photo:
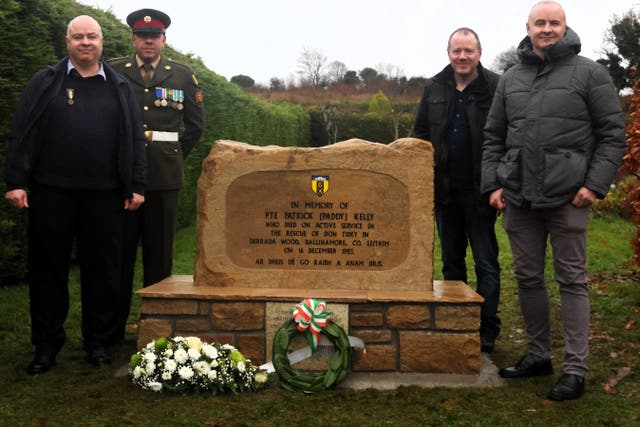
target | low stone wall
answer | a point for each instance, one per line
(409, 331)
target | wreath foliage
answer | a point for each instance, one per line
(294, 380)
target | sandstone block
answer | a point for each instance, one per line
(366, 319)
(377, 358)
(152, 329)
(201, 324)
(373, 336)
(238, 316)
(458, 317)
(407, 316)
(440, 352)
(252, 346)
(353, 215)
(169, 306)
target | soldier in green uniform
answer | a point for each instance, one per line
(169, 95)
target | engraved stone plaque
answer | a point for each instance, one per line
(295, 228)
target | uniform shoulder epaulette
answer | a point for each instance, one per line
(181, 64)
(118, 59)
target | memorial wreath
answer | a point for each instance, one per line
(311, 318)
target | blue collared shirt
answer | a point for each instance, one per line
(100, 72)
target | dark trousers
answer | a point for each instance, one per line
(154, 224)
(459, 222)
(57, 217)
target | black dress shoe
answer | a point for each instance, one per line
(41, 363)
(487, 343)
(568, 387)
(489, 331)
(98, 356)
(528, 366)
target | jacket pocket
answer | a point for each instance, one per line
(508, 171)
(564, 172)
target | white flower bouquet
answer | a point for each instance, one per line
(183, 364)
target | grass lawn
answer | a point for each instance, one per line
(77, 394)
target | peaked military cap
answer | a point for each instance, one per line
(148, 21)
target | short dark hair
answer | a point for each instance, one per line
(463, 30)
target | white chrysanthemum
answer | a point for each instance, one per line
(241, 366)
(137, 372)
(185, 372)
(149, 357)
(180, 355)
(178, 339)
(202, 367)
(168, 352)
(170, 365)
(214, 363)
(194, 342)
(261, 377)
(166, 375)
(228, 347)
(210, 351)
(155, 386)
(150, 368)
(212, 375)
(194, 354)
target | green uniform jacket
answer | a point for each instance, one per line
(165, 159)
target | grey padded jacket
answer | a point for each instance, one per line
(555, 125)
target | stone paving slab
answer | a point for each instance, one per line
(488, 377)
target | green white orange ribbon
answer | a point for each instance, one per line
(312, 317)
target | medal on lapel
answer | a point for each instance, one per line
(70, 96)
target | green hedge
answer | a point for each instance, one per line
(32, 36)
(353, 121)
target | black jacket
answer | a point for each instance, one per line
(24, 139)
(432, 124)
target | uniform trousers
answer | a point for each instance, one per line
(566, 229)
(154, 224)
(57, 217)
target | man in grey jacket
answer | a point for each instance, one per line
(554, 139)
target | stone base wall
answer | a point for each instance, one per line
(431, 332)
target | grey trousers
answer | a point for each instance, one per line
(566, 228)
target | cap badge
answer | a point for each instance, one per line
(147, 19)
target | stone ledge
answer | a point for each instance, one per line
(182, 287)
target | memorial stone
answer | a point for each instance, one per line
(354, 215)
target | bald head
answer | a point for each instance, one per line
(83, 21)
(547, 5)
(84, 44)
(546, 26)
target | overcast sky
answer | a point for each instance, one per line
(264, 38)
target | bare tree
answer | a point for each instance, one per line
(393, 72)
(505, 60)
(336, 71)
(312, 64)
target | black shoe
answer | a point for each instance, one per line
(568, 387)
(41, 363)
(528, 366)
(98, 356)
(489, 331)
(487, 343)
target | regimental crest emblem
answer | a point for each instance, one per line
(320, 184)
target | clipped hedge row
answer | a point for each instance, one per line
(33, 36)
